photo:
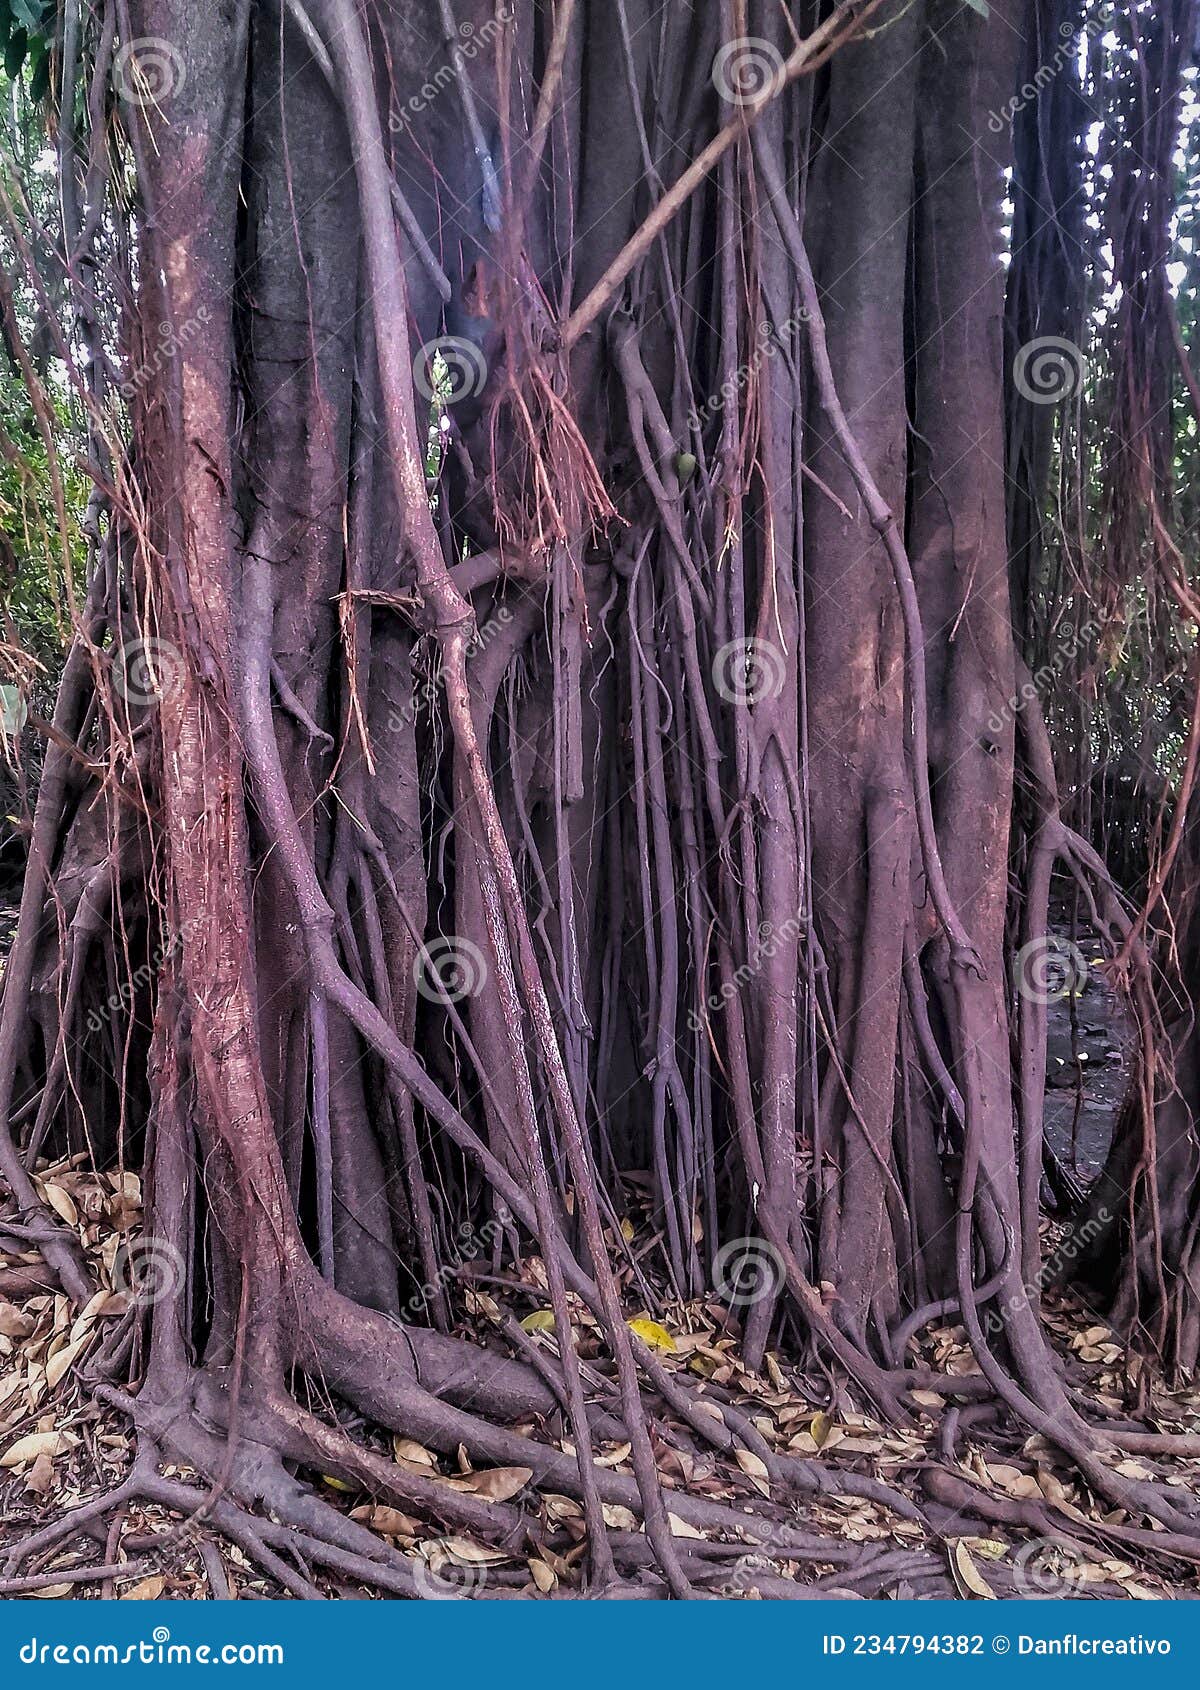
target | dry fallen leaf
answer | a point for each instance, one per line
(407, 1449)
(390, 1521)
(14, 1323)
(754, 1469)
(681, 1528)
(62, 1203)
(147, 1590)
(498, 1484)
(465, 1549)
(543, 1576)
(30, 1447)
(40, 1477)
(61, 1364)
(968, 1573)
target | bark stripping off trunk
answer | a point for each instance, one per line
(597, 781)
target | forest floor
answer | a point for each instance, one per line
(60, 1448)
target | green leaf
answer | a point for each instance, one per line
(39, 82)
(14, 53)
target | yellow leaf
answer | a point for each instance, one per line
(335, 1484)
(541, 1320)
(654, 1336)
(969, 1573)
(627, 1230)
(819, 1428)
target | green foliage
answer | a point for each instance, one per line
(33, 593)
(26, 37)
(31, 588)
